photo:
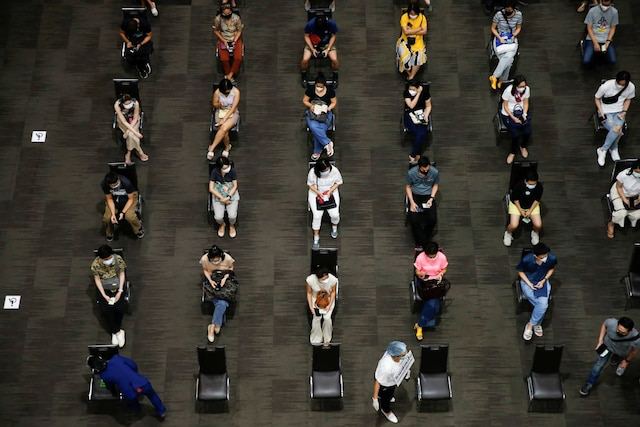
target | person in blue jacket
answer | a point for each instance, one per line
(123, 372)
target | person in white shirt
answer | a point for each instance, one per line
(384, 385)
(624, 198)
(321, 283)
(515, 115)
(613, 100)
(323, 182)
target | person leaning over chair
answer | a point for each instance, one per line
(323, 181)
(613, 99)
(534, 271)
(223, 185)
(625, 198)
(128, 120)
(417, 108)
(227, 28)
(601, 22)
(505, 28)
(225, 101)
(320, 102)
(430, 266)
(618, 342)
(121, 200)
(384, 384)
(516, 117)
(108, 270)
(422, 185)
(151, 5)
(411, 50)
(524, 204)
(322, 287)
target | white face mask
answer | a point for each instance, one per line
(413, 92)
(128, 105)
(522, 89)
(324, 281)
(109, 261)
(619, 87)
(604, 8)
(636, 174)
(531, 186)
(325, 173)
(543, 260)
(226, 169)
(413, 16)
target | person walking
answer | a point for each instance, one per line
(384, 385)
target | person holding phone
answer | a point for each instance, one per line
(320, 42)
(411, 50)
(323, 181)
(322, 288)
(601, 24)
(505, 28)
(625, 198)
(121, 200)
(618, 342)
(422, 185)
(430, 266)
(516, 117)
(417, 111)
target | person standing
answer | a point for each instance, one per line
(384, 384)
(422, 184)
(618, 342)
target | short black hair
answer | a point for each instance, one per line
(225, 85)
(540, 249)
(424, 161)
(626, 322)
(320, 78)
(623, 76)
(105, 251)
(111, 178)
(96, 363)
(321, 166)
(510, 3)
(531, 175)
(222, 161)
(413, 7)
(431, 248)
(215, 252)
(321, 271)
(413, 82)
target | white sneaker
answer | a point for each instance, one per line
(615, 154)
(507, 239)
(114, 339)
(528, 333)
(535, 238)
(120, 336)
(154, 10)
(390, 416)
(537, 329)
(602, 156)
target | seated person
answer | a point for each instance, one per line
(151, 5)
(613, 100)
(321, 298)
(323, 181)
(121, 203)
(506, 26)
(422, 185)
(225, 101)
(430, 265)
(582, 6)
(411, 51)
(108, 270)
(137, 35)
(534, 271)
(223, 185)
(227, 28)
(515, 116)
(128, 120)
(625, 198)
(601, 22)
(417, 108)
(525, 204)
(219, 285)
(320, 102)
(320, 39)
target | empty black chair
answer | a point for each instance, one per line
(325, 381)
(434, 382)
(212, 382)
(522, 303)
(325, 257)
(98, 389)
(544, 383)
(126, 289)
(632, 279)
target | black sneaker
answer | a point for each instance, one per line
(140, 234)
(109, 238)
(586, 389)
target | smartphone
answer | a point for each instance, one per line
(603, 351)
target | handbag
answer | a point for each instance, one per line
(322, 204)
(432, 289)
(227, 292)
(319, 112)
(417, 117)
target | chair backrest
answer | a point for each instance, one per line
(313, 163)
(329, 83)
(525, 252)
(117, 251)
(326, 358)
(318, 11)
(212, 360)
(634, 264)
(105, 351)
(325, 257)
(128, 171)
(546, 359)
(619, 166)
(126, 87)
(433, 359)
(519, 170)
(129, 13)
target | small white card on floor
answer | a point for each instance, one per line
(38, 136)
(12, 302)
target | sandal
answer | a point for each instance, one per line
(221, 230)
(143, 157)
(232, 231)
(315, 157)
(329, 149)
(582, 7)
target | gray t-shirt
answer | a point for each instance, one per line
(601, 21)
(618, 347)
(507, 25)
(420, 184)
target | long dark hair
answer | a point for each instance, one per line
(320, 166)
(516, 82)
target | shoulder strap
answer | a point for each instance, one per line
(506, 20)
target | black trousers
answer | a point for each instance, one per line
(113, 314)
(139, 58)
(384, 397)
(423, 223)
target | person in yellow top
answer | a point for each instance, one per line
(411, 50)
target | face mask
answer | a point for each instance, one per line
(325, 173)
(543, 260)
(413, 16)
(413, 92)
(531, 186)
(324, 281)
(522, 89)
(109, 261)
(636, 174)
(619, 87)
(128, 105)
(226, 169)
(215, 260)
(115, 187)
(604, 8)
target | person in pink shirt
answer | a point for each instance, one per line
(430, 265)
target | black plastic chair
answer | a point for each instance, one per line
(433, 382)
(126, 87)
(632, 279)
(500, 128)
(98, 389)
(325, 381)
(212, 382)
(128, 13)
(126, 289)
(544, 383)
(325, 257)
(129, 172)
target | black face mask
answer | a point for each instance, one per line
(227, 16)
(620, 335)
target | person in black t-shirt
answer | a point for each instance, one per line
(417, 108)
(121, 200)
(320, 101)
(525, 204)
(136, 34)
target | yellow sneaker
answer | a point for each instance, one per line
(418, 330)
(494, 82)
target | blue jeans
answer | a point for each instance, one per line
(219, 308)
(597, 369)
(588, 53)
(319, 131)
(430, 309)
(419, 133)
(611, 140)
(148, 391)
(539, 304)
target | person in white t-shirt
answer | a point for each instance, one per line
(624, 198)
(515, 115)
(384, 385)
(613, 100)
(323, 182)
(321, 284)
